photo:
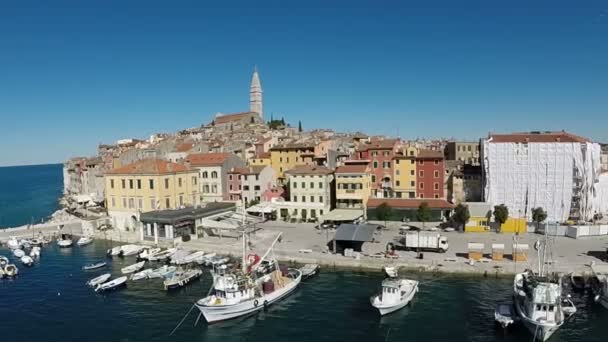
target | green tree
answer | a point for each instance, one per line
(384, 212)
(424, 213)
(461, 214)
(501, 213)
(299, 126)
(252, 203)
(538, 215)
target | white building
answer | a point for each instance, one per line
(213, 173)
(557, 171)
(311, 192)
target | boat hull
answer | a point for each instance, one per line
(541, 331)
(387, 309)
(214, 314)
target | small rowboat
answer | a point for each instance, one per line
(111, 285)
(94, 266)
(181, 278)
(85, 240)
(99, 280)
(133, 268)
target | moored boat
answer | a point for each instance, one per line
(65, 243)
(85, 240)
(128, 250)
(390, 271)
(162, 255)
(27, 260)
(147, 252)
(309, 270)
(164, 271)
(133, 268)
(99, 280)
(3, 261)
(13, 243)
(115, 251)
(35, 252)
(10, 270)
(112, 285)
(181, 278)
(396, 293)
(145, 274)
(94, 266)
(18, 253)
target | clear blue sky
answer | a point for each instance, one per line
(78, 73)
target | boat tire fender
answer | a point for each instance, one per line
(265, 303)
(255, 303)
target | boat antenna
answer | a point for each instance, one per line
(244, 261)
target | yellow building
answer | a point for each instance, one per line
(286, 157)
(405, 173)
(147, 185)
(262, 159)
(353, 186)
(514, 225)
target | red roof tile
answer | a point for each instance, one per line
(353, 168)
(185, 147)
(150, 166)
(401, 203)
(429, 154)
(263, 155)
(309, 170)
(385, 144)
(537, 137)
(207, 159)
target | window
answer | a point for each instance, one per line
(436, 186)
(281, 169)
(193, 180)
(139, 183)
(436, 161)
(123, 183)
(421, 196)
(386, 164)
(412, 161)
(385, 153)
(312, 185)
(295, 198)
(436, 196)
(303, 185)
(321, 212)
(421, 173)
(257, 177)
(412, 173)
(151, 183)
(375, 164)
(397, 183)
(295, 185)
(246, 187)
(152, 203)
(230, 187)
(421, 162)
(256, 187)
(412, 194)
(113, 201)
(140, 203)
(181, 200)
(179, 182)
(205, 174)
(280, 159)
(397, 172)
(320, 185)
(167, 203)
(124, 202)
(373, 178)
(214, 189)
(321, 199)
(412, 183)
(436, 174)
(166, 183)
(214, 174)
(287, 160)
(112, 184)
(303, 198)
(230, 177)
(421, 185)
(206, 188)
(312, 199)
(469, 148)
(131, 203)
(374, 153)
(130, 184)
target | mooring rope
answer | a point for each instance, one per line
(183, 319)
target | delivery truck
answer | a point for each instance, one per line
(425, 241)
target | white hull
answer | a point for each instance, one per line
(65, 243)
(133, 268)
(84, 241)
(226, 312)
(386, 309)
(542, 331)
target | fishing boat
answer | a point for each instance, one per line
(85, 240)
(395, 294)
(179, 257)
(145, 274)
(309, 270)
(128, 250)
(18, 253)
(242, 292)
(162, 255)
(35, 252)
(164, 271)
(390, 271)
(27, 260)
(115, 251)
(112, 285)
(99, 280)
(133, 268)
(147, 252)
(10, 270)
(181, 278)
(94, 266)
(599, 284)
(13, 243)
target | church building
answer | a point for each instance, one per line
(255, 114)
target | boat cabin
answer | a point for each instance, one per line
(545, 302)
(391, 290)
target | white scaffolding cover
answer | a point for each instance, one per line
(547, 175)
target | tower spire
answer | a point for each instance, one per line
(255, 93)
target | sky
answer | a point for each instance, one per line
(74, 74)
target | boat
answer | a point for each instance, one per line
(145, 274)
(85, 240)
(18, 253)
(599, 284)
(3, 261)
(178, 258)
(236, 293)
(206, 259)
(181, 278)
(128, 250)
(162, 255)
(25, 244)
(94, 266)
(35, 252)
(505, 314)
(147, 252)
(133, 268)
(112, 252)
(13, 243)
(112, 285)
(27, 260)
(64, 242)
(309, 270)
(36, 242)
(390, 271)
(396, 293)
(218, 260)
(10, 270)
(194, 257)
(164, 271)
(99, 280)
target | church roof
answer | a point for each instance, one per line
(228, 118)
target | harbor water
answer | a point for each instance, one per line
(50, 302)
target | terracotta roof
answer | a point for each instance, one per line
(185, 147)
(356, 168)
(293, 146)
(251, 170)
(401, 203)
(309, 170)
(537, 137)
(150, 166)
(385, 144)
(227, 118)
(207, 159)
(263, 155)
(429, 154)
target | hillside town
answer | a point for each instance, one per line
(278, 171)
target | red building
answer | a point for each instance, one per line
(235, 183)
(379, 155)
(429, 174)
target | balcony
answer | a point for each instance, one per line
(386, 184)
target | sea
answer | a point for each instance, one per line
(50, 302)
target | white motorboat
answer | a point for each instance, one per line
(164, 271)
(147, 252)
(18, 253)
(13, 243)
(178, 258)
(206, 259)
(390, 271)
(3, 261)
(25, 244)
(99, 280)
(235, 294)
(27, 260)
(35, 252)
(64, 243)
(85, 240)
(181, 278)
(94, 266)
(36, 242)
(112, 252)
(396, 293)
(218, 260)
(309, 270)
(162, 255)
(112, 285)
(128, 250)
(145, 274)
(504, 314)
(133, 268)
(10, 270)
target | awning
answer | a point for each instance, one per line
(355, 232)
(343, 215)
(261, 208)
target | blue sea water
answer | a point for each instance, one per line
(29, 193)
